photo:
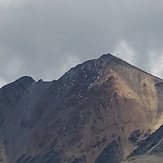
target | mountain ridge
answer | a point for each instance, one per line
(96, 110)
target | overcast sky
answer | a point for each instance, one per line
(44, 38)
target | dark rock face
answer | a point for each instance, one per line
(51, 156)
(2, 118)
(96, 112)
(16, 89)
(79, 160)
(109, 154)
(153, 144)
(135, 135)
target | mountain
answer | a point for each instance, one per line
(97, 112)
(149, 149)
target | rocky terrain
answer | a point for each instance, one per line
(100, 111)
(149, 149)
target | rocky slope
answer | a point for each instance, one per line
(149, 149)
(97, 112)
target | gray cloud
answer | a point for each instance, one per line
(43, 39)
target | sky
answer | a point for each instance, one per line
(44, 38)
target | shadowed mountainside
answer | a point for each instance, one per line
(97, 112)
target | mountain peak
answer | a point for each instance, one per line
(22, 80)
(25, 79)
(16, 89)
(109, 58)
(107, 55)
(96, 112)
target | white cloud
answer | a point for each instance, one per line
(156, 62)
(48, 36)
(2, 82)
(123, 51)
(13, 66)
(5, 4)
(70, 61)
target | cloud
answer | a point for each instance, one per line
(6, 4)
(122, 50)
(156, 62)
(44, 38)
(2, 83)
